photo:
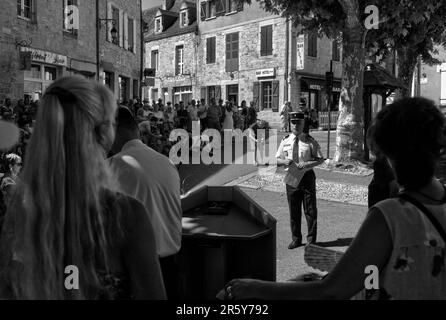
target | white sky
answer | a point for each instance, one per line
(150, 3)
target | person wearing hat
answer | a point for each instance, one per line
(299, 153)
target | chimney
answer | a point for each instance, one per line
(168, 4)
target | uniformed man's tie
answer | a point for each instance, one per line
(296, 150)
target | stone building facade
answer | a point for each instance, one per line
(172, 52)
(38, 45)
(241, 52)
(121, 60)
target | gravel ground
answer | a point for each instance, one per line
(269, 180)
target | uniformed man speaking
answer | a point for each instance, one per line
(299, 153)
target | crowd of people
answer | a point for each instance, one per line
(92, 195)
(157, 120)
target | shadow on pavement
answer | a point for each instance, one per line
(193, 176)
(340, 242)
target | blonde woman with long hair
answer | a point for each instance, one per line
(66, 212)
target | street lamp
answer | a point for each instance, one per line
(113, 31)
(114, 35)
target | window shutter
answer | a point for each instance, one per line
(213, 49)
(203, 11)
(269, 40)
(121, 28)
(256, 94)
(217, 93)
(276, 91)
(177, 60)
(208, 50)
(153, 60)
(220, 7)
(312, 44)
(263, 41)
(204, 93)
(135, 33)
(239, 6)
(109, 23)
(126, 31)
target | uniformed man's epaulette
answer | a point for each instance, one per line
(286, 137)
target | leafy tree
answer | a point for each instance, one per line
(411, 27)
(330, 18)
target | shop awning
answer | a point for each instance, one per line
(378, 77)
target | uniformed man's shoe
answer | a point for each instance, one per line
(295, 244)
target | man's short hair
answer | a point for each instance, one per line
(125, 119)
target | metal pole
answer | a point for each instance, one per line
(329, 93)
(97, 39)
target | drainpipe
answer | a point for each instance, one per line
(97, 39)
(287, 57)
(142, 50)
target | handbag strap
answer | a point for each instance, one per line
(426, 212)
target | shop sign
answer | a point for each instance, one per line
(270, 72)
(46, 57)
(300, 63)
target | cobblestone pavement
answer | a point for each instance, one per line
(271, 179)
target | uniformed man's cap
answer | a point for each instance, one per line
(295, 116)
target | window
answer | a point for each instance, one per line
(182, 94)
(211, 93)
(179, 63)
(35, 72)
(135, 89)
(211, 9)
(154, 59)
(210, 50)
(220, 7)
(232, 52)
(25, 9)
(267, 94)
(232, 93)
(266, 40)
(131, 36)
(115, 17)
(336, 51)
(50, 74)
(158, 25)
(230, 6)
(123, 88)
(70, 25)
(183, 19)
(155, 94)
(109, 80)
(312, 44)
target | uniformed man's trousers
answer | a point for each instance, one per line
(304, 194)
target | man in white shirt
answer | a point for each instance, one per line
(300, 153)
(152, 179)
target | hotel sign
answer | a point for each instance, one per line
(270, 72)
(46, 57)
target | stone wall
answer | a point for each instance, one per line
(165, 76)
(125, 62)
(46, 33)
(250, 59)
